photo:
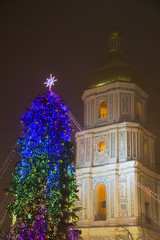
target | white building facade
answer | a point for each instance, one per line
(115, 158)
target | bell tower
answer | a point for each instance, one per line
(115, 159)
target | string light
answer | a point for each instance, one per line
(152, 194)
(3, 210)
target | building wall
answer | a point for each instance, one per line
(129, 186)
(115, 163)
(125, 141)
(121, 99)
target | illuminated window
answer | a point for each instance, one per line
(100, 202)
(138, 111)
(101, 146)
(103, 109)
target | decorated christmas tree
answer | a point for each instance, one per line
(43, 187)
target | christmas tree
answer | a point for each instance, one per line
(43, 185)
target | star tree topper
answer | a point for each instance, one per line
(50, 82)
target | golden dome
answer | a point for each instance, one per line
(113, 72)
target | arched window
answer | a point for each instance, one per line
(103, 109)
(139, 111)
(100, 202)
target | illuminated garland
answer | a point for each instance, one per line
(152, 194)
(7, 161)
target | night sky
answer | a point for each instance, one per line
(69, 39)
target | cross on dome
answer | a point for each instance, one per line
(50, 82)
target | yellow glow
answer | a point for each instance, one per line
(100, 84)
(102, 199)
(13, 219)
(100, 202)
(124, 79)
(103, 109)
(101, 146)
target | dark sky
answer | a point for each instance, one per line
(69, 39)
